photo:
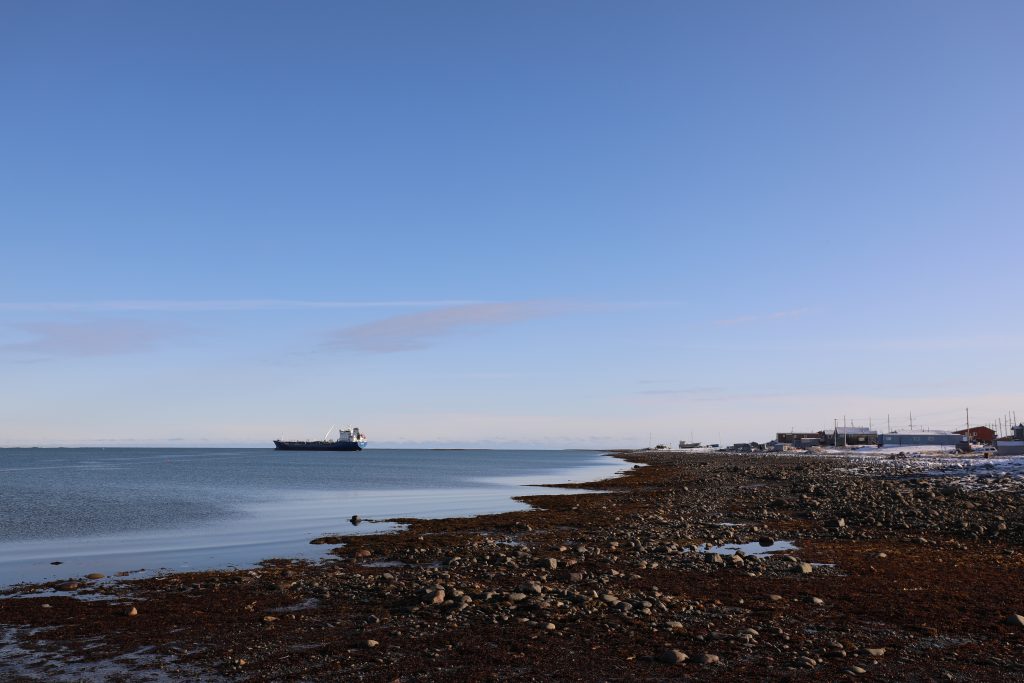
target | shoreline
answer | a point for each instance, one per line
(583, 587)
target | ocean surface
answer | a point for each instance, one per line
(151, 510)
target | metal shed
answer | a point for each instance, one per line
(921, 438)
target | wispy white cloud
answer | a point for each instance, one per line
(764, 317)
(92, 338)
(418, 330)
(184, 306)
(694, 391)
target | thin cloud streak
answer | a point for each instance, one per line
(416, 331)
(83, 339)
(173, 306)
(696, 391)
(778, 315)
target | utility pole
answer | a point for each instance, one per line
(911, 421)
(835, 431)
(845, 442)
(888, 427)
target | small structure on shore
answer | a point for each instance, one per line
(978, 434)
(922, 437)
(801, 439)
(853, 436)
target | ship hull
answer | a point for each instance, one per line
(1014, 447)
(318, 445)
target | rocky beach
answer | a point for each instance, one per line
(690, 565)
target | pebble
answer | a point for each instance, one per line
(672, 657)
(95, 575)
(133, 612)
(708, 659)
(804, 568)
(856, 670)
(1015, 620)
(372, 643)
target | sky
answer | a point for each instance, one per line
(507, 224)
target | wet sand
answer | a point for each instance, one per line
(891, 575)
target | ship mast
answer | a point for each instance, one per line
(328, 434)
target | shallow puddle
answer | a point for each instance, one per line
(754, 548)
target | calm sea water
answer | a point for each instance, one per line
(153, 509)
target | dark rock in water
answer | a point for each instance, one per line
(57, 562)
(355, 520)
(766, 541)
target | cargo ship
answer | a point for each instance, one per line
(349, 439)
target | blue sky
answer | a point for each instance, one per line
(522, 224)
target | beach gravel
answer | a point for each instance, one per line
(677, 555)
